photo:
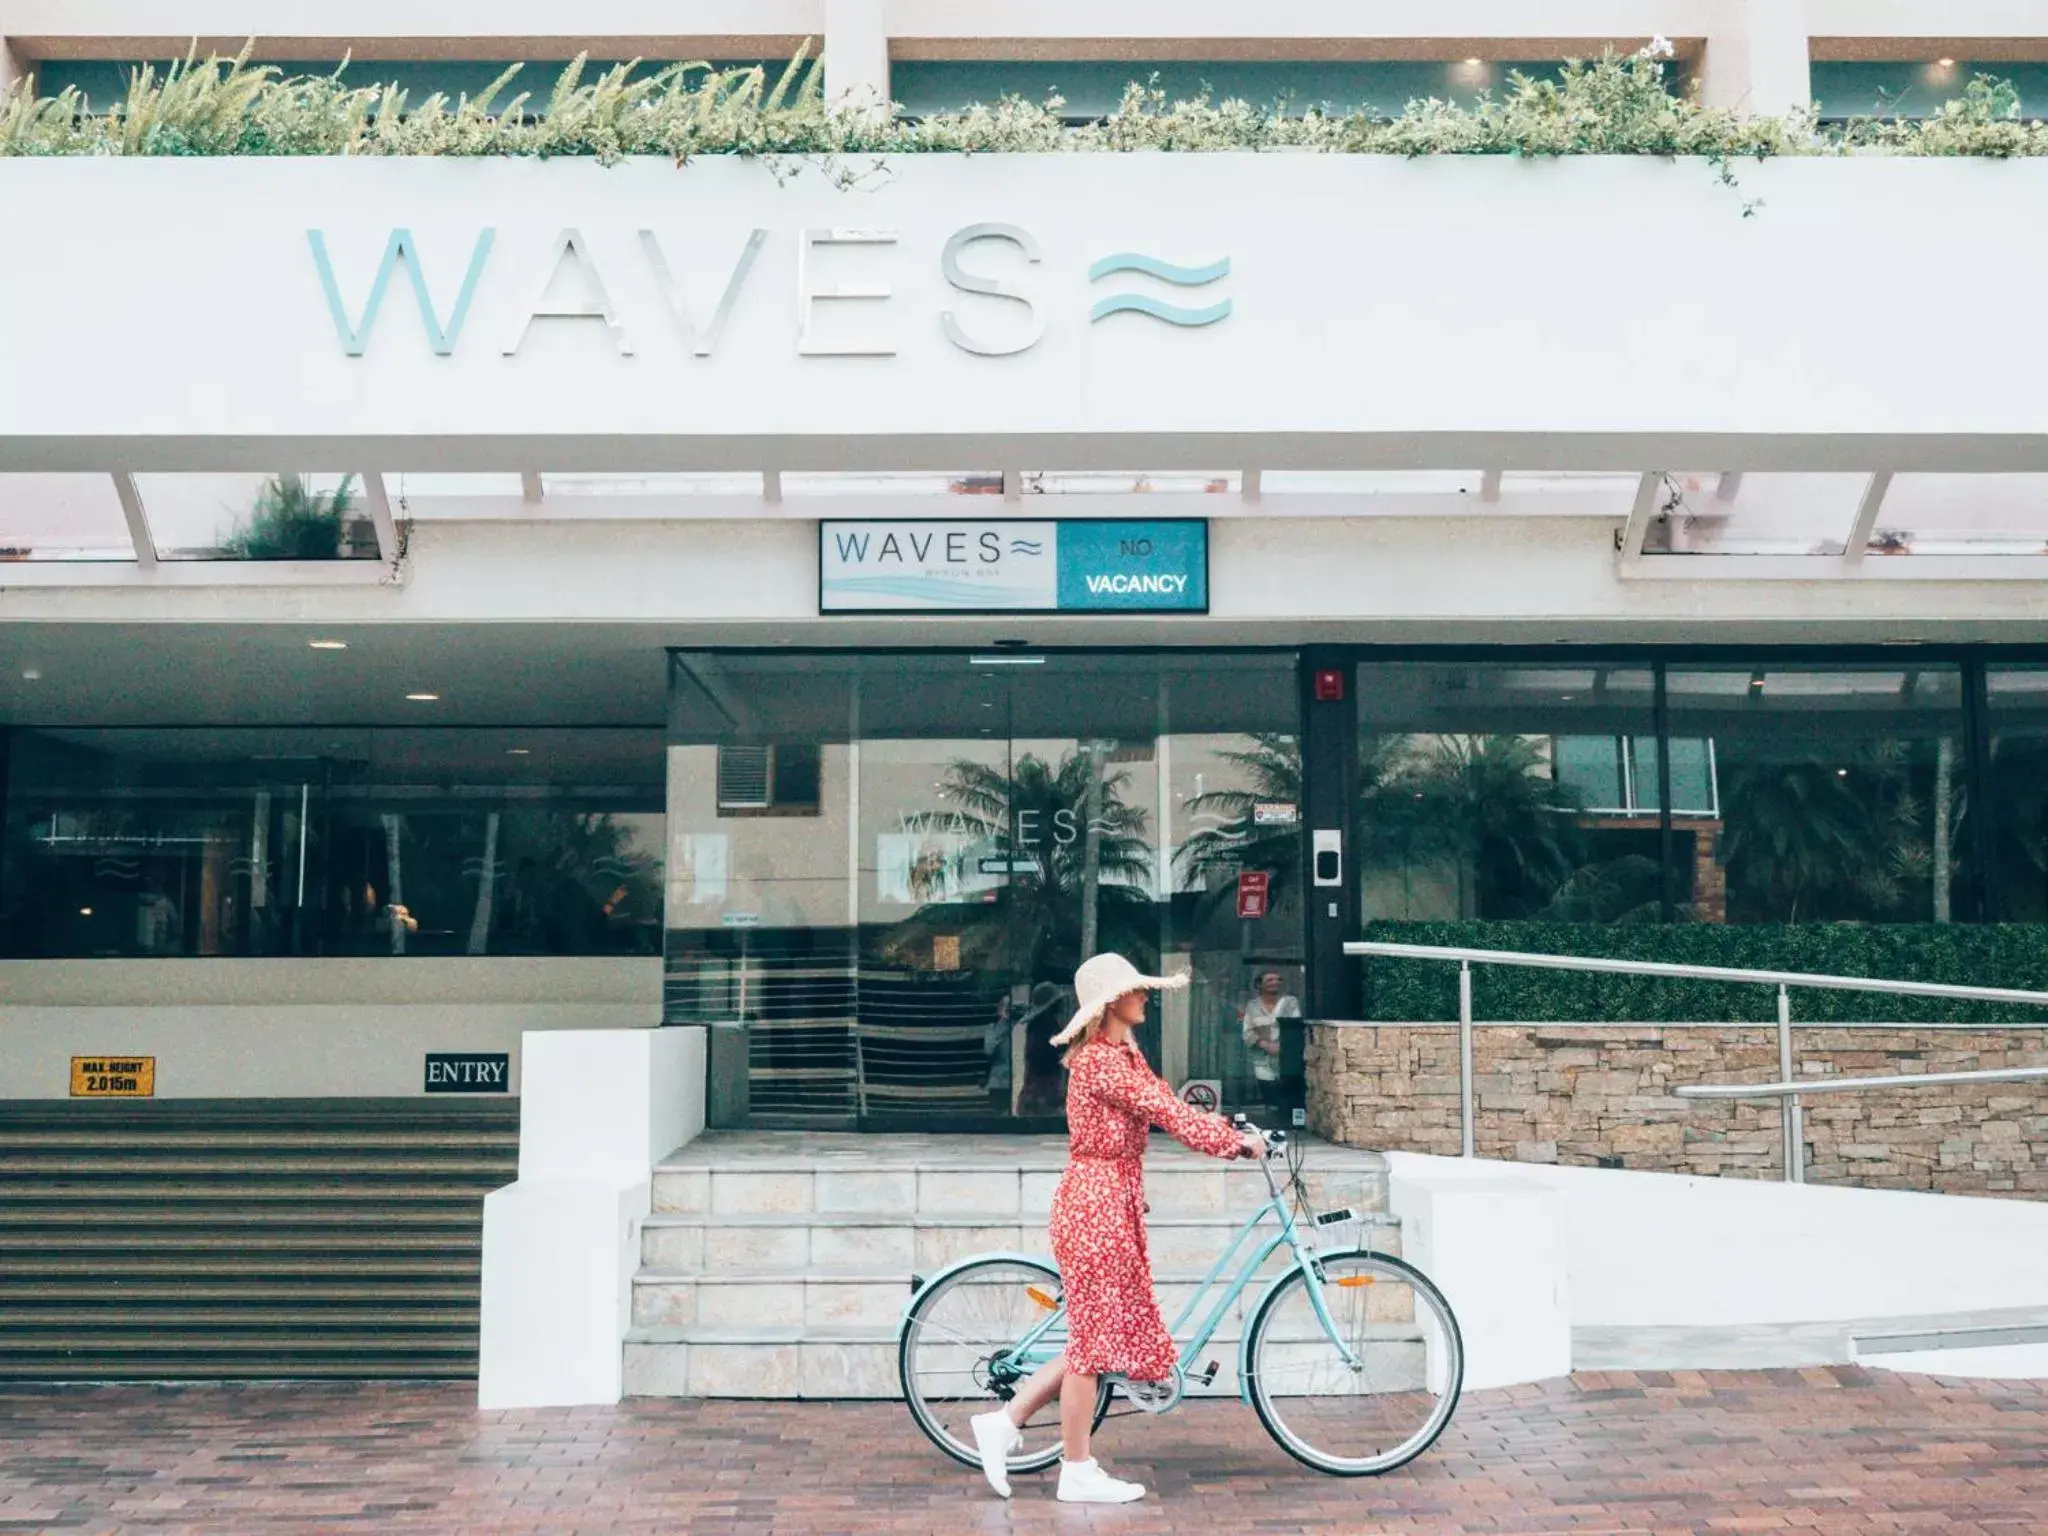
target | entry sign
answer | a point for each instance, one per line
(113, 1077)
(1253, 888)
(479, 1072)
(1014, 565)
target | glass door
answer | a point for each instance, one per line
(980, 824)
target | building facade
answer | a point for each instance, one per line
(817, 599)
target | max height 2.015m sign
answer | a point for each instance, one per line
(1001, 565)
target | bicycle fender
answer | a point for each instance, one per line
(959, 1264)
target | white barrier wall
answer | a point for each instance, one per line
(1514, 1318)
(1657, 1250)
(561, 1245)
(315, 1028)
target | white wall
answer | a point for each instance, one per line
(562, 1244)
(1670, 1250)
(300, 1028)
(1745, 334)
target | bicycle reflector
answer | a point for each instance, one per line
(1044, 1298)
(1352, 1282)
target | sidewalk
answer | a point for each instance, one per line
(1835, 1449)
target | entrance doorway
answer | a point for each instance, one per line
(884, 868)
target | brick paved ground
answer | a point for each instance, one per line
(1826, 1450)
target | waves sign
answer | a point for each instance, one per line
(1003, 565)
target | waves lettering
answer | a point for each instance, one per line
(956, 546)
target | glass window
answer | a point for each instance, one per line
(903, 953)
(2017, 794)
(1831, 794)
(319, 842)
(1502, 791)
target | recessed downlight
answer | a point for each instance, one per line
(423, 698)
(328, 645)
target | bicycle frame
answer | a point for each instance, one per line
(1033, 1350)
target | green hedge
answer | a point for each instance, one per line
(2005, 955)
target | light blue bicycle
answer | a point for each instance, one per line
(1351, 1359)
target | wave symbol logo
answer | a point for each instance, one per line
(1026, 547)
(1166, 272)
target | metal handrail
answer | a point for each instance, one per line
(1857, 1084)
(1700, 972)
(1789, 1089)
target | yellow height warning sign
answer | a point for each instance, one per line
(113, 1077)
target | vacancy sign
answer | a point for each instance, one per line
(1254, 888)
(1004, 565)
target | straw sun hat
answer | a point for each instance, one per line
(1101, 981)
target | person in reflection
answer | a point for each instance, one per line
(1259, 1021)
(999, 1042)
(1098, 1230)
(1044, 1083)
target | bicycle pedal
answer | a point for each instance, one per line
(1209, 1376)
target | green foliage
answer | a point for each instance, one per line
(290, 522)
(2006, 955)
(1614, 105)
(1234, 840)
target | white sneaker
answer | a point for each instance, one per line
(1084, 1482)
(995, 1437)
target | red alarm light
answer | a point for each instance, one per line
(1329, 685)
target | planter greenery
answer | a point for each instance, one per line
(1616, 105)
(290, 522)
(1411, 991)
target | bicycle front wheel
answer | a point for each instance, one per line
(958, 1355)
(1385, 1404)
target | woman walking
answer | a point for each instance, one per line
(1098, 1228)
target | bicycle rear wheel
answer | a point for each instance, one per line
(955, 1355)
(1385, 1406)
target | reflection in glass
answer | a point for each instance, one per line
(1506, 792)
(903, 953)
(2018, 792)
(1840, 792)
(308, 841)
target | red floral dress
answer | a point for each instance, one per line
(1098, 1212)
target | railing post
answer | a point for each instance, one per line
(1465, 1058)
(1794, 1121)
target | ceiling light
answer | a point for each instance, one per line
(328, 645)
(1474, 63)
(519, 751)
(1945, 63)
(1841, 773)
(31, 674)
(85, 911)
(423, 698)
(1006, 661)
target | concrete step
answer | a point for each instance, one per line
(1760, 1346)
(802, 1173)
(778, 1244)
(845, 1362)
(821, 1301)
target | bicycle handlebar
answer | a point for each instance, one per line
(1276, 1141)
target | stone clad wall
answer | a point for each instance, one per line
(1600, 1095)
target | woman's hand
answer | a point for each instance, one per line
(1252, 1145)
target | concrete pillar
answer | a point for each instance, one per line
(856, 53)
(1757, 57)
(10, 67)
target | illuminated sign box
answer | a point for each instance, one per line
(1013, 565)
